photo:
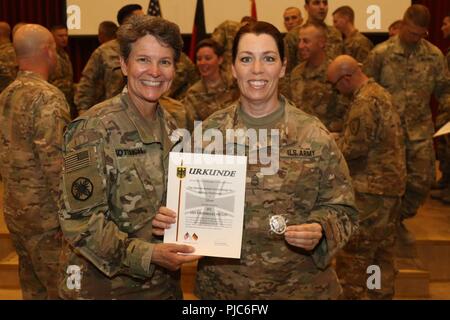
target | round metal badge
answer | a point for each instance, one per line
(278, 224)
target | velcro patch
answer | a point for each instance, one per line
(77, 161)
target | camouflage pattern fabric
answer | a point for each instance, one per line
(182, 114)
(33, 114)
(204, 101)
(113, 183)
(311, 92)
(411, 78)
(312, 186)
(102, 77)
(335, 46)
(372, 244)
(373, 145)
(8, 65)
(62, 77)
(358, 46)
(224, 35)
(186, 75)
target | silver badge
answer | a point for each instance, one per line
(278, 224)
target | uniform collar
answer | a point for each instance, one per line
(286, 126)
(400, 49)
(147, 134)
(30, 75)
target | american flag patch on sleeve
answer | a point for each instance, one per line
(77, 161)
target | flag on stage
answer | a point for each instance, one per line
(254, 12)
(154, 9)
(199, 29)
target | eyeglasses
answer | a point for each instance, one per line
(334, 84)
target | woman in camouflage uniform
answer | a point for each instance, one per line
(216, 89)
(297, 217)
(114, 178)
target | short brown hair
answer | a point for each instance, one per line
(346, 11)
(259, 27)
(321, 26)
(210, 43)
(419, 15)
(166, 32)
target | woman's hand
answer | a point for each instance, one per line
(163, 220)
(306, 236)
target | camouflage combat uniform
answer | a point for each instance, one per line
(186, 74)
(62, 77)
(114, 181)
(203, 101)
(33, 115)
(311, 92)
(373, 145)
(102, 77)
(182, 115)
(312, 186)
(224, 35)
(411, 80)
(8, 65)
(291, 41)
(358, 46)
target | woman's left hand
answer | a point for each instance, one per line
(306, 236)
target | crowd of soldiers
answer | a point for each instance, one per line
(374, 101)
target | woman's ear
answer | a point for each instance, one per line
(123, 66)
(283, 68)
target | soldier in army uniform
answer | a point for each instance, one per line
(355, 43)
(102, 78)
(8, 63)
(62, 77)
(308, 86)
(372, 143)
(310, 196)
(114, 178)
(216, 89)
(107, 31)
(292, 18)
(412, 69)
(33, 115)
(442, 187)
(317, 12)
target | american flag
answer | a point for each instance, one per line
(154, 9)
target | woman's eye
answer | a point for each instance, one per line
(270, 59)
(143, 60)
(246, 59)
(166, 62)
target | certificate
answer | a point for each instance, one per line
(207, 192)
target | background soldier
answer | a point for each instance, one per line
(33, 114)
(101, 78)
(355, 43)
(8, 63)
(317, 12)
(107, 31)
(309, 88)
(62, 76)
(372, 143)
(412, 69)
(292, 18)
